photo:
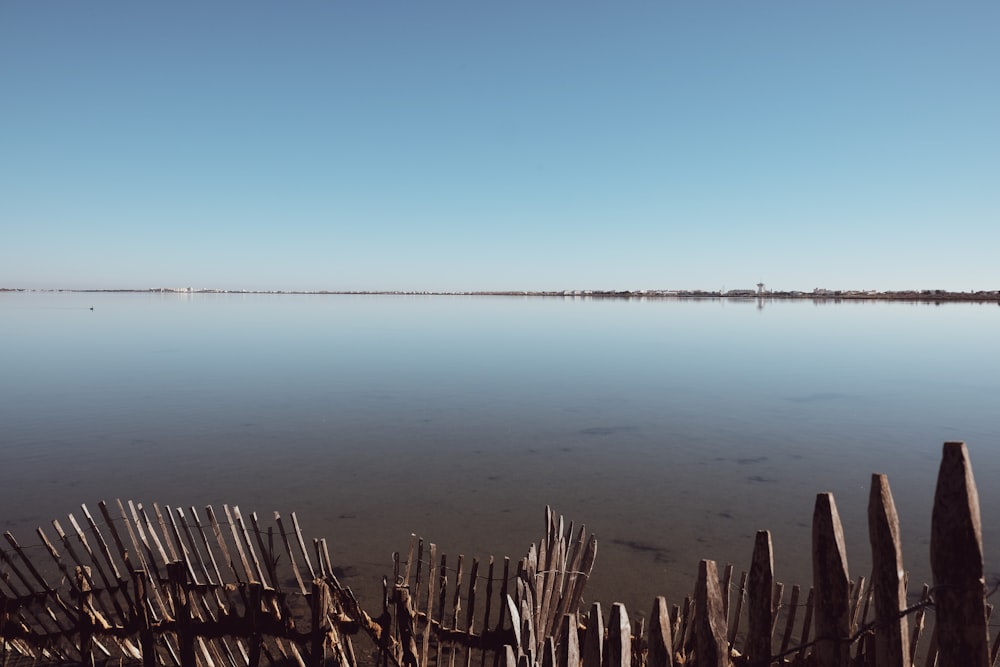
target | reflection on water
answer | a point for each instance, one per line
(673, 429)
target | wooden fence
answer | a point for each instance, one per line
(164, 587)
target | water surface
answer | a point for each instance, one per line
(673, 429)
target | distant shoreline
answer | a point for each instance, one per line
(923, 296)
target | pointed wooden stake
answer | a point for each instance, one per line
(832, 585)
(957, 563)
(659, 639)
(760, 586)
(891, 637)
(711, 644)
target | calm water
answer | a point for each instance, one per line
(673, 429)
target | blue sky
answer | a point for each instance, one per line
(426, 145)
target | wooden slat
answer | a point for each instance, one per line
(144, 527)
(568, 654)
(175, 554)
(144, 555)
(456, 603)
(760, 612)
(659, 638)
(488, 607)
(267, 554)
(593, 640)
(857, 602)
(456, 607)
(918, 624)
(442, 602)
(582, 575)
(619, 646)
(738, 614)
(416, 588)
(244, 534)
(206, 545)
(182, 613)
(687, 626)
(711, 643)
(957, 563)
(291, 556)
(550, 565)
(504, 592)
(572, 564)
(173, 536)
(136, 561)
(793, 606)
(831, 582)
(302, 546)
(141, 613)
(891, 648)
(727, 589)
(210, 595)
(220, 539)
(86, 624)
(425, 642)
(251, 576)
(409, 561)
(806, 625)
(470, 613)
(779, 591)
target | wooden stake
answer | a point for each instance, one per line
(891, 632)
(957, 564)
(761, 608)
(710, 625)
(832, 604)
(659, 637)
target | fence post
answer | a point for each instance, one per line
(957, 563)
(177, 572)
(320, 599)
(661, 646)
(593, 641)
(760, 588)
(892, 631)
(253, 613)
(711, 644)
(86, 628)
(405, 626)
(569, 649)
(141, 614)
(619, 646)
(832, 585)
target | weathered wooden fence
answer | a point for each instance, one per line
(166, 588)
(842, 622)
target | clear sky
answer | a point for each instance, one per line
(426, 145)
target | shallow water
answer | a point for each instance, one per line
(673, 429)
